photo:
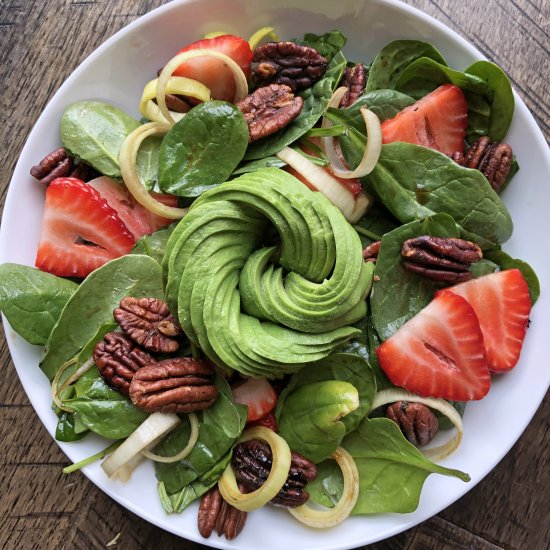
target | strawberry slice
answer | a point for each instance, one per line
(80, 231)
(136, 217)
(502, 304)
(437, 121)
(258, 395)
(439, 352)
(213, 73)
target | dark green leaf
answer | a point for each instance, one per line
(147, 162)
(154, 244)
(252, 166)
(65, 429)
(327, 488)
(328, 44)
(443, 422)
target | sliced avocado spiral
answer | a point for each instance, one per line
(266, 310)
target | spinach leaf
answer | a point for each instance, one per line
(327, 488)
(383, 103)
(202, 149)
(147, 161)
(103, 410)
(260, 164)
(443, 422)
(414, 182)
(375, 223)
(32, 300)
(65, 429)
(505, 261)
(328, 44)
(311, 419)
(394, 58)
(154, 245)
(398, 294)
(500, 95)
(315, 98)
(219, 427)
(392, 471)
(93, 302)
(94, 131)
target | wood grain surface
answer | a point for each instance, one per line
(40, 44)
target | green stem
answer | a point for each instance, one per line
(333, 131)
(366, 233)
(91, 459)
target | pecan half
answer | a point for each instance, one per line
(417, 422)
(492, 159)
(252, 461)
(370, 252)
(287, 63)
(176, 385)
(59, 164)
(269, 109)
(118, 358)
(441, 259)
(217, 513)
(354, 79)
(148, 322)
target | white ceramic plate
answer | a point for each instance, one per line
(117, 71)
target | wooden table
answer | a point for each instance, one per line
(40, 44)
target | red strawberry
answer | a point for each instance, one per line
(437, 121)
(439, 352)
(80, 231)
(212, 72)
(502, 304)
(136, 217)
(268, 421)
(258, 394)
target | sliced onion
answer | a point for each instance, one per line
(333, 516)
(321, 180)
(372, 148)
(277, 477)
(262, 34)
(175, 85)
(241, 84)
(213, 34)
(147, 434)
(193, 436)
(55, 385)
(392, 395)
(363, 202)
(127, 161)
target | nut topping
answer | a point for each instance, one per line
(354, 79)
(440, 259)
(492, 159)
(148, 322)
(252, 461)
(370, 252)
(118, 358)
(59, 164)
(417, 422)
(217, 513)
(288, 63)
(269, 109)
(176, 385)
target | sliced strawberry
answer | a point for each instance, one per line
(213, 73)
(502, 304)
(136, 217)
(258, 394)
(437, 121)
(268, 421)
(439, 352)
(80, 231)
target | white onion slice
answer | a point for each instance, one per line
(127, 161)
(322, 181)
(261, 34)
(241, 84)
(333, 516)
(147, 434)
(392, 395)
(372, 148)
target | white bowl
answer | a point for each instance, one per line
(117, 71)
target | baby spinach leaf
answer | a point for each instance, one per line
(398, 294)
(260, 164)
(93, 302)
(392, 471)
(147, 161)
(103, 410)
(328, 44)
(414, 182)
(327, 488)
(94, 132)
(376, 222)
(479, 113)
(219, 427)
(65, 429)
(500, 95)
(443, 422)
(310, 421)
(394, 58)
(315, 98)
(202, 149)
(32, 300)
(154, 245)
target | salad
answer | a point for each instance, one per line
(282, 281)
